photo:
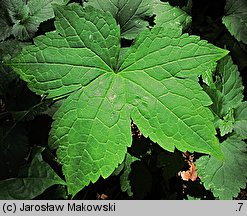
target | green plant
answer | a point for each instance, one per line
(23, 19)
(153, 82)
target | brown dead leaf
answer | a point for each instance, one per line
(190, 174)
(102, 196)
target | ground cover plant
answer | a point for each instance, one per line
(123, 99)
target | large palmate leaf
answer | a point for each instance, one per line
(225, 178)
(235, 19)
(38, 178)
(155, 84)
(130, 14)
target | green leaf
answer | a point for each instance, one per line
(227, 95)
(5, 29)
(235, 19)
(16, 9)
(42, 10)
(26, 18)
(227, 124)
(40, 176)
(240, 125)
(124, 178)
(130, 14)
(155, 84)
(103, 117)
(169, 16)
(225, 178)
(5, 24)
(64, 73)
(216, 97)
(93, 127)
(25, 30)
(24, 27)
(237, 49)
(231, 85)
(118, 170)
(165, 84)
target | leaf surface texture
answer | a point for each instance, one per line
(154, 83)
(130, 14)
(225, 178)
(235, 19)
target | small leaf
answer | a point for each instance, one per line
(40, 176)
(237, 49)
(42, 10)
(235, 19)
(18, 13)
(16, 9)
(119, 169)
(227, 95)
(25, 30)
(26, 18)
(124, 178)
(130, 14)
(240, 125)
(231, 85)
(5, 25)
(225, 178)
(227, 124)
(171, 17)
